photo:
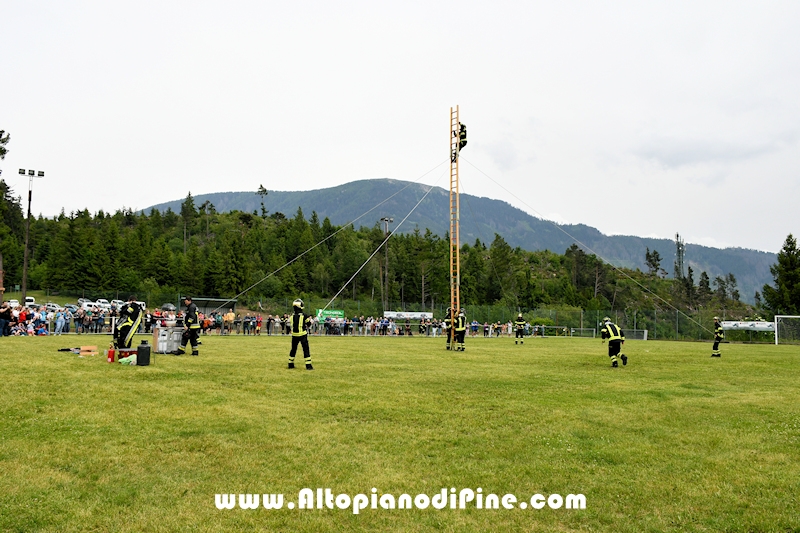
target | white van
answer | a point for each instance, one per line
(30, 301)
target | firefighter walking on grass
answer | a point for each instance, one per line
(616, 338)
(519, 327)
(719, 334)
(191, 328)
(299, 326)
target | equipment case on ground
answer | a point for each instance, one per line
(166, 340)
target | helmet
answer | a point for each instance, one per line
(519, 315)
(463, 311)
(716, 318)
(298, 304)
(606, 319)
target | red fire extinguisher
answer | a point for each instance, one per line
(111, 353)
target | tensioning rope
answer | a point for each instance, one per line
(382, 243)
(491, 261)
(589, 249)
(344, 226)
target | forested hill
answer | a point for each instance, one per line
(481, 218)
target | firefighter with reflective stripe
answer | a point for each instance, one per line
(130, 317)
(447, 326)
(616, 338)
(719, 334)
(191, 328)
(460, 326)
(299, 325)
(519, 328)
(461, 135)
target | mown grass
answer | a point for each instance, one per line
(675, 441)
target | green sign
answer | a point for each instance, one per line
(330, 313)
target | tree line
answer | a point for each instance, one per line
(200, 251)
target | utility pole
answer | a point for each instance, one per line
(2, 288)
(386, 221)
(423, 283)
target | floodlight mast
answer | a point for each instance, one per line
(31, 174)
(455, 247)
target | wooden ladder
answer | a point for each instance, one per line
(455, 241)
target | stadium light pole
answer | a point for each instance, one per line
(31, 174)
(386, 221)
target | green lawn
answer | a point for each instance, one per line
(675, 441)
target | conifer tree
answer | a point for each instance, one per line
(784, 297)
(704, 289)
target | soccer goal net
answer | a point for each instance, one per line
(583, 332)
(787, 329)
(636, 334)
(554, 331)
(562, 331)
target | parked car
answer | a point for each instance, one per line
(102, 303)
(89, 305)
(13, 303)
(117, 304)
(168, 307)
(30, 301)
(50, 306)
(71, 308)
(82, 301)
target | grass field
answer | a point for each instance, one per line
(675, 441)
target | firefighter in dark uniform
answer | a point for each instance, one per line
(461, 135)
(130, 316)
(719, 334)
(299, 323)
(447, 326)
(191, 328)
(460, 326)
(519, 327)
(616, 338)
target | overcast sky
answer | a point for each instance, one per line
(638, 118)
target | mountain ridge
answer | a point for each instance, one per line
(481, 218)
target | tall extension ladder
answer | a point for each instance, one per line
(455, 241)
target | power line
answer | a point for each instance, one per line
(352, 222)
(491, 261)
(589, 249)
(379, 247)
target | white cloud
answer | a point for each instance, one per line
(687, 112)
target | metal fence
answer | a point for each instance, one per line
(668, 324)
(662, 324)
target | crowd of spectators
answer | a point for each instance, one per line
(21, 320)
(382, 326)
(38, 320)
(361, 326)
